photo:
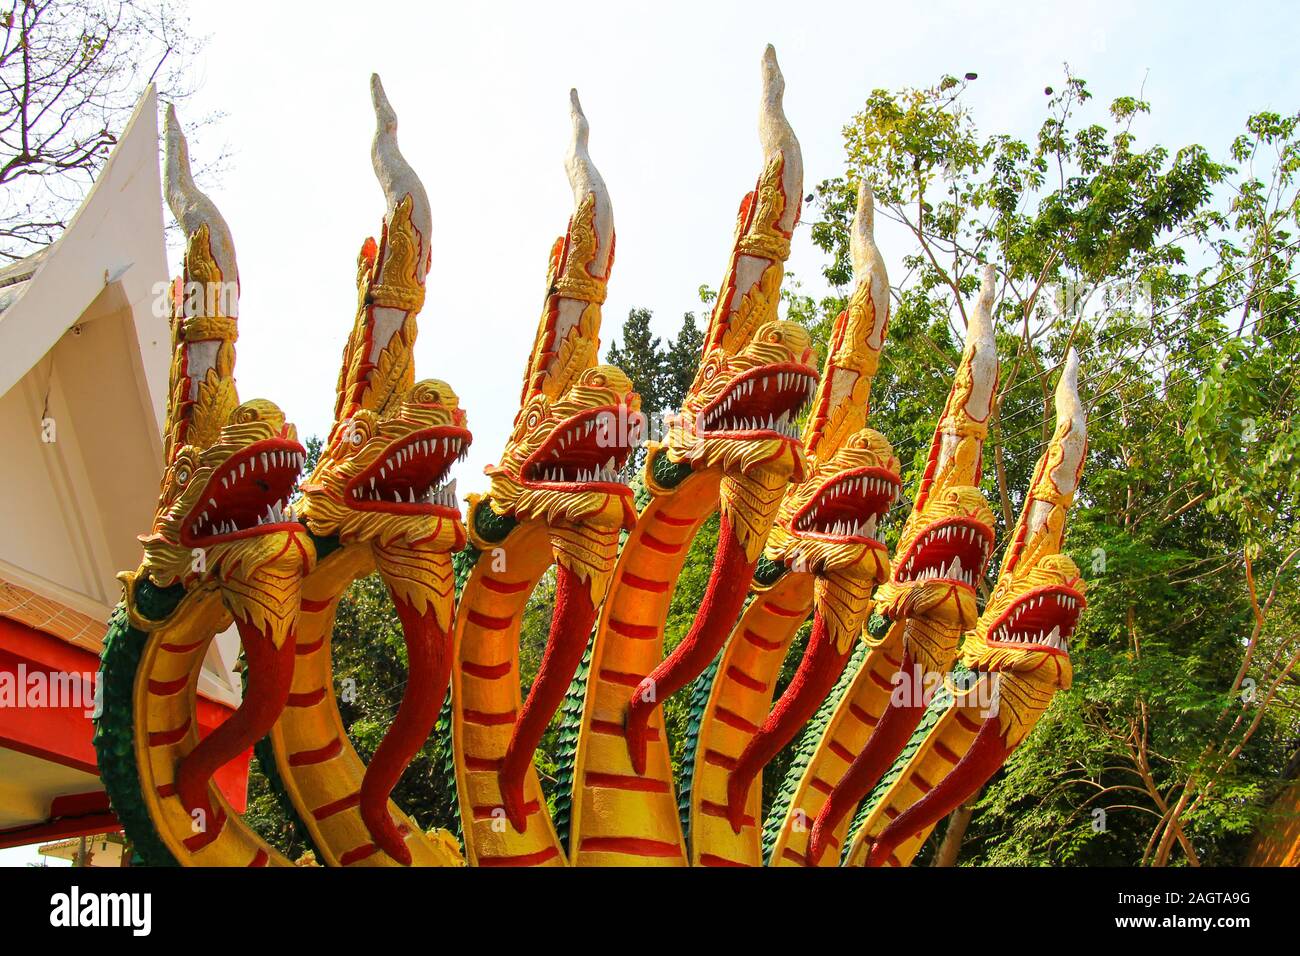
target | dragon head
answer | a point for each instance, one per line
(828, 523)
(1020, 644)
(946, 542)
(383, 476)
(230, 468)
(578, 421)
(754, 377)
(1035, 606)
(577, 424)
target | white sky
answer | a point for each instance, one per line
(671, 91)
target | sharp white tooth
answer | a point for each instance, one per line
(383, 472)
(1055, 637)
(397, 497)
(411, 496)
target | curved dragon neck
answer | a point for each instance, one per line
(627, 647)
(723, 598)
(816, 675)
(487, 702)
(733, 715)
(571, 624)
(428, 654)
(322, 774)
(985, 754)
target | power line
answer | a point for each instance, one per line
(1164, 367)
(911, 441)
(1096, 346)
(1200, 293)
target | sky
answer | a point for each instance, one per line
(671, 92)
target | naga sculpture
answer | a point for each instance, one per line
(825, 555)
(1019, 650)
(222, 547)
(926, 605)
(379, 498)
(557, 499)
(734, 446)
(229, 543)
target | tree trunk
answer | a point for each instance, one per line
(958, 821)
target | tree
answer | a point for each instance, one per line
(1189, 496)
(641, 358)
(71, 71)
(681, 361)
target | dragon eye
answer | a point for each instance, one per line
(532, 420)
(183, 476)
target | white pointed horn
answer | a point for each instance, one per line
(586, 180)
(1069, 409)
(980, 339)
(868, 265)
(1071, 435)
(862, 239)
(191, 207)
(395, 175)
(776, 135)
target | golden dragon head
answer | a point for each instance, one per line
(1035, 606)
(578, 421)
(755, 377)
(230, 468)
(828, 524)
(383, 475)
(947, 539)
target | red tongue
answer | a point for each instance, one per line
(723, 600)
(571, 625)
(883, 747)
(269, 678)
(818, 671)
(986, 754)
(428, 652)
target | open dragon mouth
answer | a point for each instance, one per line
(411, 478)
(588, 449)
(849, 507)
(764, 402)
(954, 550)
(248, 494)
(1042, 620)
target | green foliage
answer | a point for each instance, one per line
(1172, 274)
(641, 358)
